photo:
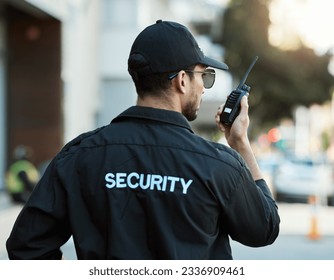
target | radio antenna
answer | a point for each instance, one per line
(248, 71)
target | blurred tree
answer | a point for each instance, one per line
(281, 80)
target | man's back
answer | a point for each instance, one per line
(148, 188)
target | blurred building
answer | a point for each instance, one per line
(63, 66)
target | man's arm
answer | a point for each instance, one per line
(252, 213)
(42, 227)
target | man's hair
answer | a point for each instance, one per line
(152, 84)
(149, 84)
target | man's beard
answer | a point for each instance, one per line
(191, 110)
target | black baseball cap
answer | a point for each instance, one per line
(168, 46)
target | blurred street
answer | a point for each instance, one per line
(292, 244)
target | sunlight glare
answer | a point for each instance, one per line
(310, 20)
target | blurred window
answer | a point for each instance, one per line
(119, 13)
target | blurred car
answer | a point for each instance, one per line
(299, 178)
(268, 165)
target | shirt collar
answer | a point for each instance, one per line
(160, 115)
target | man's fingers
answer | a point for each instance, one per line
(217, 118)
(220, 109)
(244, 105)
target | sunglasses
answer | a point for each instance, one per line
(208, 76)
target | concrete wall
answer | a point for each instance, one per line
(80, 41)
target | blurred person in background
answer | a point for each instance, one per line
(146, 186)
(21, 176)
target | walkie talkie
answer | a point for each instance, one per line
(232, 106)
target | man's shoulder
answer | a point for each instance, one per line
(226, 154)
(85, 139)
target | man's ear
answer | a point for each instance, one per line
(181, 82)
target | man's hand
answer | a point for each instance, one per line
(237, 137)
(236, 134)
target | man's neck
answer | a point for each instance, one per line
(159, 103)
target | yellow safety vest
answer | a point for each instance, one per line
(13, 182)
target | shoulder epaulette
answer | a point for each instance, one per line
(79, 138)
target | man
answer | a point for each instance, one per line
(146, 186)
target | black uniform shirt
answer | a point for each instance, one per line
(145, 187)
